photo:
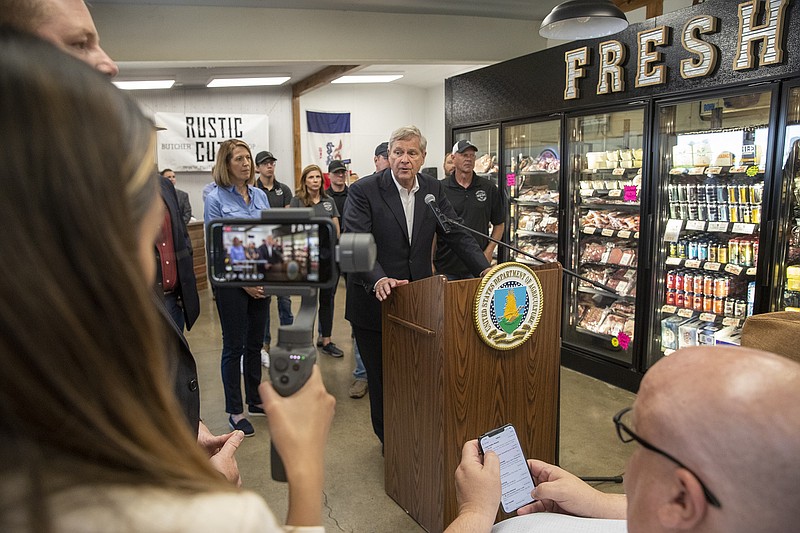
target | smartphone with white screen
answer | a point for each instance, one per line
(515, 478)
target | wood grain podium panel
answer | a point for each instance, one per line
(443, 386)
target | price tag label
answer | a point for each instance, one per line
(614, 193)
(731, 322)
(636, 235)
(742, 227)
(587, 192)
(685, 313)
(676, 171)
(511, 180)
(607, 232)
(718, 226)
(631, 193)
(738, 170)
(712, 266)
(589, 230)
(669, 309)
(730, 268)
(697, 225)
(618, 172)
(708, 317)
(625, 234)
(751, 271)
(672, 231)
(714, 170)
(692, 263)
(674, 261)
(697, 171)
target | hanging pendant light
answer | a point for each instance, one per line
(583, 19)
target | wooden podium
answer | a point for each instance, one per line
(444, 386)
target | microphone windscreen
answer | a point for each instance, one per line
(429, 198)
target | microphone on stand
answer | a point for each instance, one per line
(445, 223)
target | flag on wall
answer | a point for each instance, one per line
(328, 137)
(189, 142)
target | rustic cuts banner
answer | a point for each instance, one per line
(328, 137)
(190, 141)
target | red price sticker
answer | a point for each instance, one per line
(624, 340)
(511, 180)
(629, 194)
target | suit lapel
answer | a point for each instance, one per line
(392, 198)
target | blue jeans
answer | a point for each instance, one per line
(284, 315)
(360, 373)
(242, 320)
(175, 308)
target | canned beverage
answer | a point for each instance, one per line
(702, 211)
(722, 193)
(691, 250)
(733, 194)
(744, 194)
(744, 211)
(708, 304)
(672, 192)
(755, 252)
(712, 251)
(755, 213)
(757, 192)
(701, 193)
(746, 253)
(708, 285)
(722, 212)
(678, 280)
(683, 210)
(712, 215)
(682, 248)
(730, 305)
(674, 211)
(711, 191)
(671, 279)
(680, 299)
(691, 192)
(719, 306)
(697, 302)
(740, 309)
(733, 251)
(722, 253)
(671, 296)
(702, 250)
(682, 192)
(722, 286)
(692, 210)
(697, 285)
(673, 249)
(688, 282)
(733, 213)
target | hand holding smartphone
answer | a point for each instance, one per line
(515, 478)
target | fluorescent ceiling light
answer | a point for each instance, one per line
(368, 78)
(583, 19)
(247, 82)
(144, 84)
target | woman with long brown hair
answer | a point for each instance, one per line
(311, 193)
(93, 436)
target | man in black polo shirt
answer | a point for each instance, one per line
(279, 195)
(478, 202)
(337, 172)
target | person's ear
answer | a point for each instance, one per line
(685, 505)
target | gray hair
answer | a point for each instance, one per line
(405, 133)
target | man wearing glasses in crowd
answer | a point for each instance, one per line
(718, 434)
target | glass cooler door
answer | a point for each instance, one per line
(605, 165)
(713, 156)
(787, 291)
(532, 164)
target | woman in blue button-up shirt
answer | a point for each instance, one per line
(242, 311)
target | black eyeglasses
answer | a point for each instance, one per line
(627, 435)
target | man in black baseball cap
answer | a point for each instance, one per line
(279, 196)
(463, 145)
(381, 158)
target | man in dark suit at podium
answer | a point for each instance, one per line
(391, 205)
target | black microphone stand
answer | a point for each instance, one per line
(596, 284)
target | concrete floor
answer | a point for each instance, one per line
(355, 499)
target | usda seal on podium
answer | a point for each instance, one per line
(508, 306)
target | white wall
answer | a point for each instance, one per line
(375, 111)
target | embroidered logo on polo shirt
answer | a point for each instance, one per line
(480, 196)
(328, 207)
(279, 192)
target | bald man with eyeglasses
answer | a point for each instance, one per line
(717, 431)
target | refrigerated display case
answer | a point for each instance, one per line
(605, 173)
(532, 167)
(487, 140)
(713, 155)
(787, 282)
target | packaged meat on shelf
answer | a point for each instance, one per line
(609, 251)
(615, 220)
(544, 249)
(608, 320)
(539, 219)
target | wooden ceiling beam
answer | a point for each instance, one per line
(655, 8)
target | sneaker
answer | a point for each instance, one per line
(265, 358)
(255, 410)
(332, 350)
(242, 425)
(358, 389)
